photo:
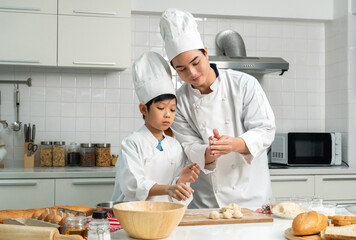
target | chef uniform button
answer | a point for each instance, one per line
(227, 122)
(224, 99)
(202, 128)
(233, 166)
(216, 191)
(233, 187)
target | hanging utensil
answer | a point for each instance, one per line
(16, 126)
(3, 123)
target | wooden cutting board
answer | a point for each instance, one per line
(288, 233)
(201, 217)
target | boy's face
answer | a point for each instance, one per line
(161, 115)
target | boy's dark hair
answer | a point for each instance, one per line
(159, 99)
(202, 50)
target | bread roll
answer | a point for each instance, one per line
(309, 223)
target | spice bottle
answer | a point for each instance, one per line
(87, 155)
(76, 226)
(59, 154)
(73, 155)
(46, 154)
(99, 226)
(102, 155)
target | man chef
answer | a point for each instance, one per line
(223, 120)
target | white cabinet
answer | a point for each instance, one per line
(33, 6)
(83, 191)
(26, 193)
(338, 188)
(289, 186)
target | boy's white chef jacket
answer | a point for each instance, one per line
(141, 165)
(237, 107)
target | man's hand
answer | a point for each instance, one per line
(222, 145)
(189, 173)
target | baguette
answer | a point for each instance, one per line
(340, 233)
(309, 223)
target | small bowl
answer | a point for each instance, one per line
(149, 220)
(107, 206)
(289, 207)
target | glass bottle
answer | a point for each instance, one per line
(73, 155)
(99, 226)
(76, 226)
(46, 154)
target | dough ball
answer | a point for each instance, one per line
(237, 214)
(232, 206)
(227, 215)
(214, 215)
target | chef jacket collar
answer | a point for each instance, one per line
(149, 136)
(214, 86)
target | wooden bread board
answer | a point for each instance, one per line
(288, 233)
(201, 217)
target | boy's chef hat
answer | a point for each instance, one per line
(152, 77)
(179, 32)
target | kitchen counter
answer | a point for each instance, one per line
(245, 231)
(109, 172)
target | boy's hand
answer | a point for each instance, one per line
(189, 173)
(180, 191)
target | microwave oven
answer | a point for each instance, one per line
(306, 149)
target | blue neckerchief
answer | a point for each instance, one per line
(214, 67)
(159, 147)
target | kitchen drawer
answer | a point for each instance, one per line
(33, 6)
(83, 191)
(107, 8)
(336, 187)
(94, 42)
(26, 193)
(289, 186)
(28, 39)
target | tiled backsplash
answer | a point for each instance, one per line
(101, 106)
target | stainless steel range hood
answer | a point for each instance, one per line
(232, 55)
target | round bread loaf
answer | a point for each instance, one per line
(309, 223)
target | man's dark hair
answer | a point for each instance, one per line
(159, 99)
(202, 50)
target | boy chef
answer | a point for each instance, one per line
(224, 121)
(151, 165)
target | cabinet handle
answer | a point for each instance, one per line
(93, 182)
(20, 8)
(338, 179)
(94, 63)
(25, 183)
(290, 180)
(20, 61)
(91, 12)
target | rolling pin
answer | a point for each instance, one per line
(18, 232)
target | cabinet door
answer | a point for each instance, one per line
(83, 191)
(292, 186)
(26, 193)
(107, 8)
(28, 39)
(94, 42)
(336, 187)
(34, 6)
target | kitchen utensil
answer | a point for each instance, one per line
(107, 206)
(149, 220)
(288, 233)
(10, 232)
(31, 147)
(33, 133)
(16, 126)
(201, 217)
(25, 131)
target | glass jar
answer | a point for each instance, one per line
(87, 155)
(73, 155)
(46, 154)
(102, 155)
(59, 154)
(99, 226)
(76, 226)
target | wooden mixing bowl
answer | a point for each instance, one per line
(149, 220)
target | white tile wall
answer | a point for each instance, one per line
(99, 106)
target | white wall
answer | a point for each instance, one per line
(298, 9)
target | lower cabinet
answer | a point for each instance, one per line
(26, 193)
(83, 191)
(292, 186)
(336, 188)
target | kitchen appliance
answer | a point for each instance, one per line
(306, 149)
(231, 54)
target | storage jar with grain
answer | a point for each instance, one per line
(102, 155)
(59, 154)
(73, 155)
(46, 154)
(87, 155)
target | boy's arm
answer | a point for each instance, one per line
(179, 191)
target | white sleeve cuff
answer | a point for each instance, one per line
(144, 189)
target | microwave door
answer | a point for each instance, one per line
(309, 149)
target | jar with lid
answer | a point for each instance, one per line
(59, 154)
(46, 154)
(102, 155)
(87, 155)
(73, 155)
(99, 226)
(76, 226)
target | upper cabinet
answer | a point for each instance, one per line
(33, 6)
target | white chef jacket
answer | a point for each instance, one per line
(141, 165)
(237, 107)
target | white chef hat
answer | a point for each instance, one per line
(152, 77)
(179, 31)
